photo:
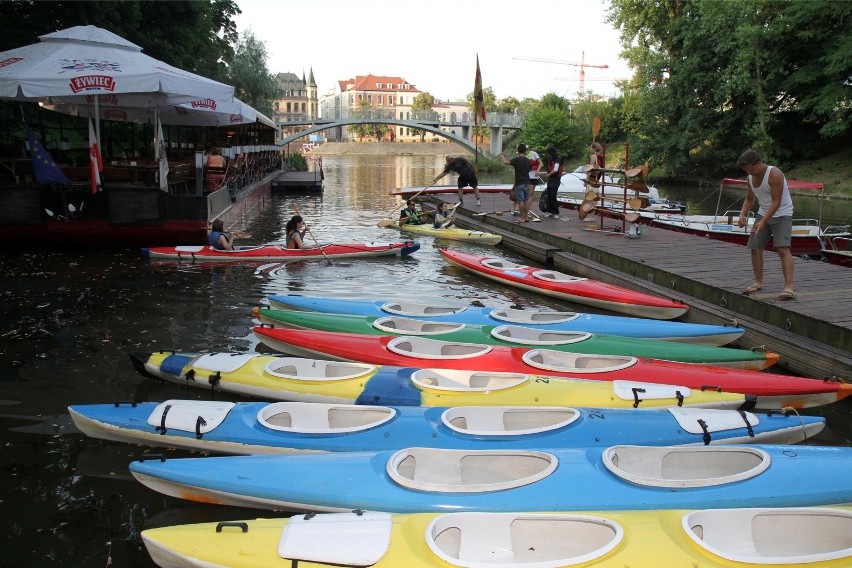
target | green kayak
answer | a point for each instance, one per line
(511, 335)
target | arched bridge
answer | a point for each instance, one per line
(427, 121)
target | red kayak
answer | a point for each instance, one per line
(572, 288)
(772, 389)
(279, 253)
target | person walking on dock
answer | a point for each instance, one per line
(774, 219)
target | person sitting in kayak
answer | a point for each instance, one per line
(409, 215)
(296, 230)
(443, 216)
(218, 238)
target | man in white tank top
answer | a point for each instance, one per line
(768, 186)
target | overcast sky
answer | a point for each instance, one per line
(433, 45)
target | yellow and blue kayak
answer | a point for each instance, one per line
(452, 233)
(819, 537)
(312, 380)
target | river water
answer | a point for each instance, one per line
(70, 318)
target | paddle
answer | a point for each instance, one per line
(632, 172)
(635, 203)
(596, 127)
(450, 216)
(296, 209)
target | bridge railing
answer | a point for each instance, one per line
(493, 119)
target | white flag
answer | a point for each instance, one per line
(161, 157)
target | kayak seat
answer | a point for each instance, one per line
(447, 379)
(434, 349)
(322, 418)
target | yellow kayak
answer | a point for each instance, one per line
(313, 380)
(820, 537)
(452, 233)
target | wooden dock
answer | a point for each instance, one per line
(298, 181)
(812, 333)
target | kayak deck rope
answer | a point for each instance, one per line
(162, 427)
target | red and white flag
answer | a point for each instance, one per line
(96, 165)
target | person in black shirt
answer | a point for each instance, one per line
(467, 176)
(522, 166)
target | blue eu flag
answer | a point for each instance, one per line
(45, 169)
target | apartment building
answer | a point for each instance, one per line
(298, 102)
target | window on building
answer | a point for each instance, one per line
(289, 107)
(390, 100)
(381, 101)
(378, 85)
(370, 99)
(303, 107)
(277, 105)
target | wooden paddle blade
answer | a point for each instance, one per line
(638, 185)
(631, 217)
(633, 172)
(587, 206)
(644, 171)
(581, 213)
(635, 203)
(590, 195)
(385, 223)
(596, 127)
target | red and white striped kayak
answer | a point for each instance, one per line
(407, 351)
(572, 288)
(279, 253)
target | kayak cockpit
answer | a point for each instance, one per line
(562, 362)
(507, 420)
(685, 467)
(465, 381)
(537, 317)
(468, 471)
(553, 276)
(424, 348)
(531, 336)
(317, 418)
(414, 309)
(480, 540)
(501, 264)
(396, 325)
(298, 368)
(794, 535)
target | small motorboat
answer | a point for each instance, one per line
(273, 252)
(838, 250)
(417, 479)
(703, 334)
(511, 335)
(566, 287)
(313, 380)
(412, 351)
(709, 538)
(289, 427)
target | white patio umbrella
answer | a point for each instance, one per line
(204, 112)
(87, 60)
(85, 64)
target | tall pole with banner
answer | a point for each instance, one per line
(478, 104)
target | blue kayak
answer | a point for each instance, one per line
(538, 319)
(440, 480)
(284, 427)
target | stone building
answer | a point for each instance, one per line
(298, 102)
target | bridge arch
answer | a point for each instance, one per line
(321, 125)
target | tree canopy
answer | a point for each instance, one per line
(714, 78)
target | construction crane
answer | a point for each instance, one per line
(582, 65)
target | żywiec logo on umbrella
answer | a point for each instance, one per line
(237, 119)
(115, 114)
(204, 103)
(10, 60)
(92, 82)
(103, 99)
(88, 65)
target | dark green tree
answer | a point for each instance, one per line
(421, 104)
(252, 81)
